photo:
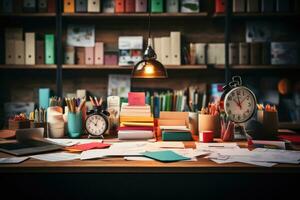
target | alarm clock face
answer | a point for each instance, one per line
(96, 125)
(240, 104)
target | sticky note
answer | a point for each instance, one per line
(165, 156)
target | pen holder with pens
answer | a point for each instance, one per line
(209, 122)
(269, 121)
(55, 122)
(74, 124)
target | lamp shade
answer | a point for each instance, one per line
(149, 67)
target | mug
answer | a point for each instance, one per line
(206, 136)
(209, 122)
(74, 124)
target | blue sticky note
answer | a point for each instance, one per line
(165, 156)
(44, 95)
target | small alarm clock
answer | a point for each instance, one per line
(97, 123)
(238, 102)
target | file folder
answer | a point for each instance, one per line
(80, 56)
(81, 6)
(175, 48)
(9, 51)
(238, 5)
(69, 6)
(141, 5)
(219, 6)
(200, 53)
(49, 49)
(30, 48)
(89, 55)
(29, 5)
(99, 53)
(19, 52)
(42, 6)
(165, 50)
(233, 54)
(108, 6)
(129, 6)
(40, 52)
(93, 5)
(70, 55)
(120, 6)
(157, 6)
(157, 48)
(243, 53)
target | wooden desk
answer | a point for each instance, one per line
(115, 178)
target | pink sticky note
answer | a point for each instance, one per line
(136, 98)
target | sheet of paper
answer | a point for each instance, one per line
(277, 144)
(165, 156)
(101, 153)
(12, 160)
(137, 158)
(262, 164)
(128, 145)
(226, 145)
(71, 142)
(178, 145)
(54, 157)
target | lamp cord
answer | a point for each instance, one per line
(149, 20)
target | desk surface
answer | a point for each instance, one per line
(119, 165)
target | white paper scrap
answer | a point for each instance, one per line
(12, 160)
(53, 157)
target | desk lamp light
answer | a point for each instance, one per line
(149, 67)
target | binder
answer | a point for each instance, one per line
(243, 53)
(172, 6)
(18, 6)
(200, 53)
(69, 55)
(211, 56)
(81, 6)
(7, 6)
(99, 53)
(80, 56)
(29, 5)
(220, 54)
(93, 6)
(282, 5)
(238, 5)
(42, 6)
(165, 50)
(9, 51)
(129, 6)
(267, 5)
(49, 49)
(233, 54)
(253, 6)
(141, 5)
(108, 6)
(19, 52)
(156, 6)
(255, 53)
(69, 6)
(157, 48)
(119, 6)
(51, 6)
(40, 52)
(220, 6)
(30, 48)
(266, 53)
(89, 55)
(175, 48)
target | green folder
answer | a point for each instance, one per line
(157, 6)
(165, 156)
(49, 49)
(176, 136)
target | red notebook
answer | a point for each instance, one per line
(136, 99)
(88, 146)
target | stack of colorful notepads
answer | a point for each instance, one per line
(175, 133)
(136, 122)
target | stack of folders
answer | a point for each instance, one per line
(27, 6)
(30, 51)
(175, 133)
(136, 122)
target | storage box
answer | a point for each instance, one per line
(14, 125)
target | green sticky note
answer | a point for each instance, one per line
(49, 49)
(165, 156)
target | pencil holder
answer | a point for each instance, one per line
(209, 123)
(269, 120)
(74, 124)
(193, 122)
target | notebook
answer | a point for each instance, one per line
(29, 141)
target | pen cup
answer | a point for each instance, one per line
(193, 122)
(74, 124)
(269, 120)
(209, 122)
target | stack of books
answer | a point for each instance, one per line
(136, 122)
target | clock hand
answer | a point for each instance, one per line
(244, 99)
(239, 104)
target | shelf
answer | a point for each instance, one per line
(27, 15)
(27, 67)
(258, 15)
(289, 125)
(134, 15)
(263, 67)
(117, 67)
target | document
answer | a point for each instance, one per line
(101, 153)
(54, 157)
(71, 142)
(13, 160)
(177, 145)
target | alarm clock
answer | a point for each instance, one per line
(238, 102)
(97, 123)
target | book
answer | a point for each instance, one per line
(30, 48)
(219, 6)
(69, 6)
(253, 6)
(49, 49)
(135, 135)
(135, 118)
(93, 6)
(130, 49)
(172, 6)
(175, 44)
(81, 6)
(255, 53)
(81, 35)
(233, 54)
(136, 98)
(120, 6)
(258, 31)
(243, 53)
(200, 53)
